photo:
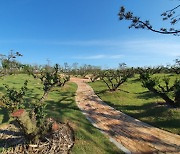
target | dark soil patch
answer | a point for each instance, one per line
(58, 141)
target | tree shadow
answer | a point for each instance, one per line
(128, 130)
(102, 91)
(5, 114)
(66, 101)
(146, 95)
(11, 135)
(2, 89)
(151, 110)
(134, 80)
(146, 110)
(125, 91)
(59, 109)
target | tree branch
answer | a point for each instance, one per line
(158, 31)
(139, 24)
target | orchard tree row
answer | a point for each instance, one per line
(31, 116)
(34, 123)
(114, 78)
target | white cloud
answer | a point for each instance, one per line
(161, 46)
(99, 57)
(87, 42)
(166, 47)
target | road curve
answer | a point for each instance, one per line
(131, 135)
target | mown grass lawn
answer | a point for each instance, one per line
(62, 107)
(136, 101)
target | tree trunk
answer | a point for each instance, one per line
(163, 96)
(177, 98)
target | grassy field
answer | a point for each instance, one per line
(136, 101)
(62, 106)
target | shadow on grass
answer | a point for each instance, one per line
(146, 95)
(145, 110)
(174, 123)
(5, 114)
(151, 110)
(134, 80)
(66, 109)
(65, 102)
(128, 129)
(125, 91)
(2, 89)
(101, 92)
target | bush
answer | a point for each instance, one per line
(33, 123)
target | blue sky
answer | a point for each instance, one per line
(85, 31)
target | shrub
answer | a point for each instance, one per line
(33, 123)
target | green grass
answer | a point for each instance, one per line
(136, 101)
(61, 106)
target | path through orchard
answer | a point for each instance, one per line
(129, 134)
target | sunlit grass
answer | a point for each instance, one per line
(62, 107)
(136, 101)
